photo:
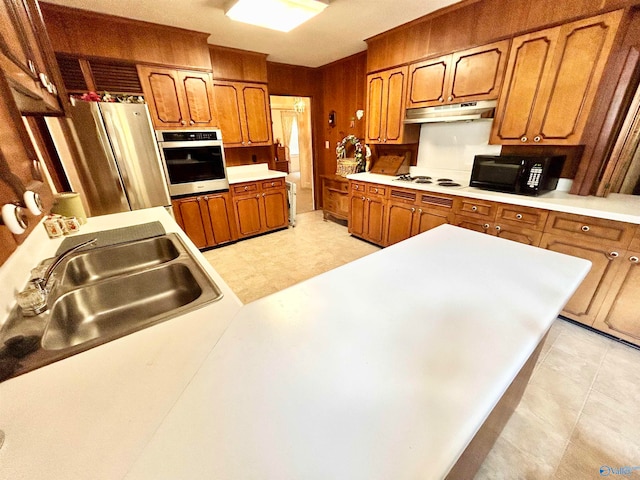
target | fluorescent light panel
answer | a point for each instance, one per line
(281, 15)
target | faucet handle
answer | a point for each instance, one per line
(32, 300)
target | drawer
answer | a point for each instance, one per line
(612, 232)
(275, 183)
(358, 187)
(635, 243)
(380, 190)
(475, 208)
(245, 188)
(525, 216)
(335, 185)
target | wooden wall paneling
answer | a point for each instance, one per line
(454, 31)
(85, 33)
(234, 64)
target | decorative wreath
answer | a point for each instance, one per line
(341, 149)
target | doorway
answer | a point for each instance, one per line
(291, 117)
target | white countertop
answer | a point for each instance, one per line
(624, 208)
(251, 173)
(377, 369)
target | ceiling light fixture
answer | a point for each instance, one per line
(281, 15)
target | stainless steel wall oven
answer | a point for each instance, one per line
(193, 161)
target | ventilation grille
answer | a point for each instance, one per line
(115, 77)
(434, 200)
(71, 74)
(403, 195)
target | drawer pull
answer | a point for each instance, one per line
(363, 199)
(375, 190)
(485, 226)
(585, 228)
(356, 187)
(612, 255)
(474, 208)
(537, 138)
(498, 228)
(273, 184)
(519, 216)
(246, 188)
(634, 259)
(524, 139)
(413, 210)
(420, 210)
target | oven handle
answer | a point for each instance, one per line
(195, 143)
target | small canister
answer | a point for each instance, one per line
(53, 226)
(72, 224)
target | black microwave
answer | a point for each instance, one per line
(516, 174)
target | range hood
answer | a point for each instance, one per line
(458, 112)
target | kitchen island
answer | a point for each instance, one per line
(332, 378)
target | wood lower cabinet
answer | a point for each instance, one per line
(244, 113)
(618, 314)
(411, 212)
(474, 74)
(335, 197)
(206, 219)
(386, 93)
(178, 98)
(367, 214)
(260, 206)
(551, 82)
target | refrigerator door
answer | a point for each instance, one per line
(134, 146)
(95, 164)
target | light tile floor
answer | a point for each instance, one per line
(580, 411)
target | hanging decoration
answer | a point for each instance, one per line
(355, 164)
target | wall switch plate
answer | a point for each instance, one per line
(326, 144)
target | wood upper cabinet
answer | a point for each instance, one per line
(26, 57)
(551, 81)
(474, 74)
(244, 113)
(260, 206)
(386, 93)
(206, 219)
(178, 98)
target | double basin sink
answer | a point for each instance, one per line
(103, 293)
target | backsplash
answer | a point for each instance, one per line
(452, 146)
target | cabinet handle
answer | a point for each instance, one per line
(537, 138)
(368, 199)
(375, 190)
(524, 139)
(32, 66)
(634, 259)
(612, 255)
(264, 194)
(498, 228)
(355, 187)
(585, 228)
(183, 122)
(257, 195)
(450, 98)
(419, 210)
(363, 199)
(249, 142)
(441, 99)
(191, 122)
(485, 226)
(413, 210)
(474, 208)
(273, 184)
(206, 198)
(519, 216)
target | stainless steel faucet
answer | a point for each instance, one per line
(33, 300)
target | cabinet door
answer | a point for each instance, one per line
(619, 313)
(247, 210)
(161, 87)
(220, 217)
(375, 219)
(357, 204)
(426, 219)
(605, 263)
(198, 96)
(275, 208)
(528, 65)
(476, 74)
(579, 59)
(394, 99)
(228, 106)
(399, 222)
(189, 213)
(257, 115)
(428, 82)
(376, 110)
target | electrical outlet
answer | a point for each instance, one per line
(326, 144)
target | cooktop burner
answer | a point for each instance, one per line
(425, 179)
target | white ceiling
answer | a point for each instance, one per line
(336, 33)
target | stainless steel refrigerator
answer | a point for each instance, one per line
(118, 163)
